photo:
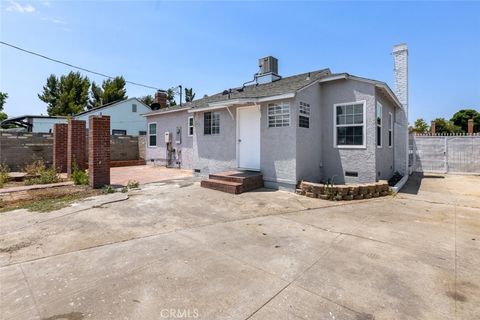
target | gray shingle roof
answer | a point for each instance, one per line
(282, 86)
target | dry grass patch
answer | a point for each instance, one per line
(45, 200)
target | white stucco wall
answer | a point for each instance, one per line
(122, 117)
(338, 160)
(308, 140)
(45, 125)
(169, 122)
(385, 154)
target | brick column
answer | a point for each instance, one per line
(76, 145)
(99, 151)
(470, 126)
(433, 130)
(60, 142)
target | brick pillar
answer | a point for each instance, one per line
(470, 126)
(76, 145)
(60, 142)
(99, 151)
(433, 130)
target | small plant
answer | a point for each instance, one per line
(132, 184)
(124, 189)
(79, 177)
(108, 189)
(35, 168)
(4, 170)
(39, 174)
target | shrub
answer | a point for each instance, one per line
(35, 168)
(4, 170)
(79, 177)
(108, 189)
(47, 176)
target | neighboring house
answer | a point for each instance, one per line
(314, 126)
(32, 123)
(125, 116)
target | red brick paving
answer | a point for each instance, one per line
(145, 174)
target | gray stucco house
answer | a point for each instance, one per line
(312, 126)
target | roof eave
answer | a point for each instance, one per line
(234, 102)
(378, 84)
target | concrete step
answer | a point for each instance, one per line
(222, 185)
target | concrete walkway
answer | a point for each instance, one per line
(174, 250)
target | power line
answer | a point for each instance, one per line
(76, 67)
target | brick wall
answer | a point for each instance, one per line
(99, 151)
(60, 143)
(76, 145)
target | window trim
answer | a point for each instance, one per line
(134, 108)
(149, 134)
(289, 114)
(378, 104)
(364, 125)
(190, 126)
(390, 130)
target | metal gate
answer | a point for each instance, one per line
(446, 154)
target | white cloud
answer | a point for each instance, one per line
(17, 7)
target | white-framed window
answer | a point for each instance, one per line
(278, 114)
(134, 107)
(390, 129)
(190, 126)
(349, 128)
(304, 115)
(152, 134)
(378, 121)
(211, 123)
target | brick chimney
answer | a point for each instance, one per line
(400, 72)
(470, 126)
(433, 129)
(161, 99)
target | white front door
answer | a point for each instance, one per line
(248, 137)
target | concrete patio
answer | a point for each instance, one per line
(173, 250)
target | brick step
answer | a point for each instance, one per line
(234, 181)
(222, 185)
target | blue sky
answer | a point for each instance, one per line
(211, 46)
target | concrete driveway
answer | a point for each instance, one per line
(173, 250)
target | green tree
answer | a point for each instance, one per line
(96, 96)
(148, 99)
(112, 90)
(67, 95)
(444, 126)
(420, 126)
(189, 95)
(460, 119)
(171, 97)
(3, 100)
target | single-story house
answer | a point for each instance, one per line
(313, 126)
(125, 116)
(32, 123)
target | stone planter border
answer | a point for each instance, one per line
(344, 192)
